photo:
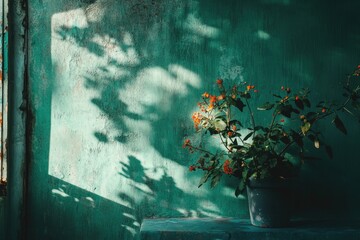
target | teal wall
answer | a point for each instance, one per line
(2, 218)
(113, 85)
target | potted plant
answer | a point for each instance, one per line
(264, 157)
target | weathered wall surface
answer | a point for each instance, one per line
(114, 83)
(2, 218)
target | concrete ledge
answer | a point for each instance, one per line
(231, 229)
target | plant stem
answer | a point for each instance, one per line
(272, 121)
(286, 147)
(228, 113)
(201, 150)
(321, 117)
(251, 116)
(332, 112)
(224, 143)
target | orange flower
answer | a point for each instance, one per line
(255, 90)
(323, 110)
(230, 134)
(192, 168)
(249, 87)
(205, 95)
(227, 168)
(196, 117)
(186, 143)
(219, 81)
(233, 127)
(221, 97)
(213, 99)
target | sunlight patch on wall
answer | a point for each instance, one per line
(195, 25)
(263, 35)
(104, 106)
(155, 87)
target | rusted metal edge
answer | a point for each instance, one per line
(4, 82)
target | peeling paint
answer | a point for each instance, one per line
(3, 95)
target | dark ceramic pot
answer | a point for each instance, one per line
(270, 202)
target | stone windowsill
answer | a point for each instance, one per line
(231, 229)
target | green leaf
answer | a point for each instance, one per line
(286, 110)
(274, 136)
(239, 104)
(245, 95)
(339, 124)
(248, 136)
(236, 146)
(266, 106)
(311, 137)
(295, 111)
(204, 179)
(297, 138)
(278, 96)
(215, 180)
(212, 131)
(300, 104)
(311, 115)
(234, 122)
(307, 102)
(285, 139)
(305, 128)
(240, 188)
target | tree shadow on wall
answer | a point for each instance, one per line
(153, 57)
(161, 196)
(153, 35)
(73, 208)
